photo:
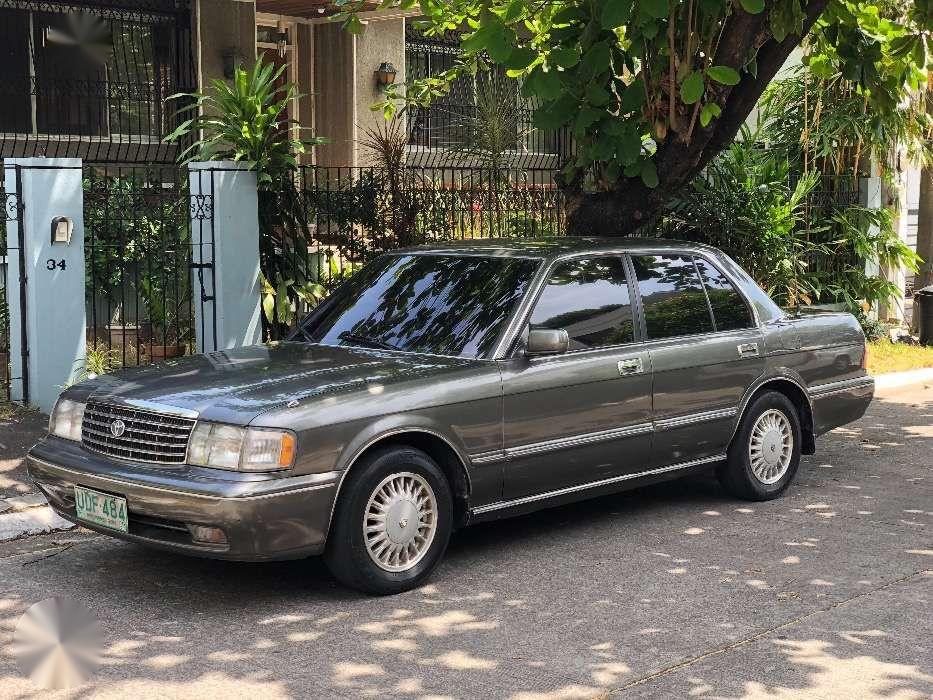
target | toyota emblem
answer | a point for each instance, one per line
(117, 428)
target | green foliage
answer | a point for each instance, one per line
(800, 254)
(244, 120)
(744, 205)
(628, 77)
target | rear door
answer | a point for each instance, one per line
(584, 415)
(705, 350)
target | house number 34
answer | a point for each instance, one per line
(52, 263)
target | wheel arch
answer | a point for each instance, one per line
(797, 395)
(435, 445)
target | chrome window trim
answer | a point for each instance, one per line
(513, 328)
(534, 498)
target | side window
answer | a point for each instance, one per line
(672, 296)
(729, 308)
(589, 299)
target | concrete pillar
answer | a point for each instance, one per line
(870, 196)
(45, 279)
(225, 252)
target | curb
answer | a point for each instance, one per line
(890, 380)
(29, 515)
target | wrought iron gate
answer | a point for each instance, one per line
(144, 304)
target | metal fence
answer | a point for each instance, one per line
(138, 252)
(89, 79)
(11, 210)
(336, 219)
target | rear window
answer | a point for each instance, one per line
(729, 308)
(438, 304)
(672, 296)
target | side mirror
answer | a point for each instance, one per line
(545, 341)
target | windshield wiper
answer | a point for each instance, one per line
(366, 340)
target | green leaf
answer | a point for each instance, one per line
(649, 174)
(544, 84)
(633, 97)
(616, 13)
(628, 147)
(596, 60)
(597, 95)
(353, 25)
(555, 114)
(723, 74)
(753, 7)
(521, 58)
(655, 8)
(709, 111)
(691, 89)
(564, 57)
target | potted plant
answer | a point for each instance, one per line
(168, 302)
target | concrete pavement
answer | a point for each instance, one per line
(672, 591)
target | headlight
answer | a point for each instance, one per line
(66, 419)
(241, 449)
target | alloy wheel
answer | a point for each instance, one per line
(400, 521)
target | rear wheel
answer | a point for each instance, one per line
(765, 453)
(392, 522)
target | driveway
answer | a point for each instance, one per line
(672, 591)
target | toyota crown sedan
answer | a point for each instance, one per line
(442, 386)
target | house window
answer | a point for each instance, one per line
(452, 121)
(96, 74)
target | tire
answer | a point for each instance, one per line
(402, 547)
(768, 474)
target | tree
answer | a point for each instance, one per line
(652, 90)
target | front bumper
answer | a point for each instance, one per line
(263, 517)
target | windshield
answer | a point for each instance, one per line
(451, 305)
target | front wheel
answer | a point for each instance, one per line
(392, 522)
(765, 453)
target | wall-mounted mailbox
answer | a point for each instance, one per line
(62, 228)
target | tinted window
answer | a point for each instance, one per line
(672, 295)
(729, 308)
(589, 299)
(439, 304)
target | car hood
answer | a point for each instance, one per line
(236, 386)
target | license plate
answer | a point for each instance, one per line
(101, 508)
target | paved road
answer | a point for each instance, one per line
(672, 591)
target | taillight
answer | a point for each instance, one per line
(865, 354)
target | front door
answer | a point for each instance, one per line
(584, 415)
(705, 351)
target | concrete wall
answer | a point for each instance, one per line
(382, 40)
(345, 84)
(222, 25)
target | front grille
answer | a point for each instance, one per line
(148, 436)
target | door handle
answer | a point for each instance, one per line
(632, 365)
(747, 349)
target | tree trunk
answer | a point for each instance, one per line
(925, 214)
(680, 157)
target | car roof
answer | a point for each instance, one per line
(549, 247)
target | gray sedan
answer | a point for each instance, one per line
(441, 386)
